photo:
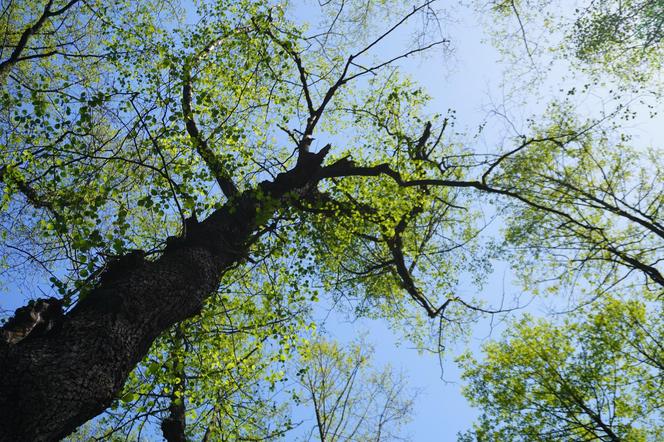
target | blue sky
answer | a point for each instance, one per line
(463, 80)
(470, 80)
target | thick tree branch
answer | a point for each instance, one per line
(601, 203)
(216, 167)
(16, 55)
(346, 167)
(395, 245)
(648, 270)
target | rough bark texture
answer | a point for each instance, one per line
(52, 383)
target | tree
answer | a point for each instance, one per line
(623, 38)
(108, 154)
(602, 202)
(146, 161)
(349, 401)
(595, 378)
(620, 33)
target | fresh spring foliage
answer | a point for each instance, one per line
(124, 126)
(618, 37)
(597, 376)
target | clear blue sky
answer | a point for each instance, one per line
(470, 81)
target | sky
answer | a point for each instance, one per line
(463, 80)
(469, 79)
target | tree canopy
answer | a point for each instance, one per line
(178, 193)
(594, 379)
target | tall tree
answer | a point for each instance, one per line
(145, 161)
(114, 153)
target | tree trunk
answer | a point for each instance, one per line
(51, 384)
(174, 425)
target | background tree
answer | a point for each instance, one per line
(349, 400)
(596, 378)
(622, 35)
(622, 38)
(593, 218)
(597, 221)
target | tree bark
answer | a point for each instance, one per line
(174, 425)
(51, 384)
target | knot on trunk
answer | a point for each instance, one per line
(35, 319)
(118, 266)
